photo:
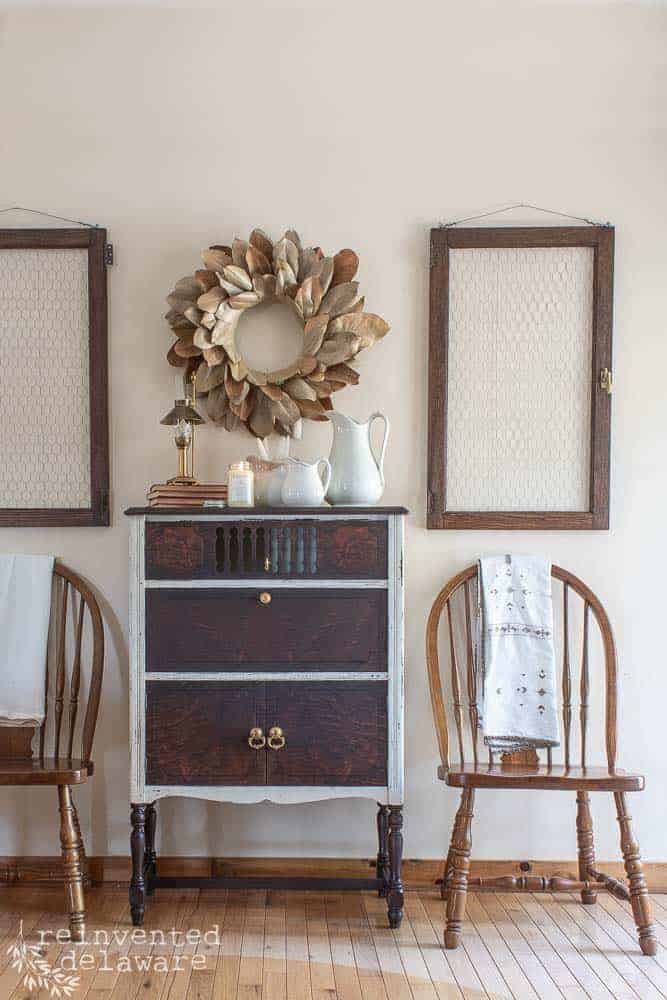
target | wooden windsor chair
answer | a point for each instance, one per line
(58, 742)
(523, 770)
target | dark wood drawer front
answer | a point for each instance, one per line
(197, 733)
(271, 548)
(335, 733)
(300, 629)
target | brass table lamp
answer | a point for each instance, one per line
(183, 418)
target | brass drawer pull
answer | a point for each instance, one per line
(256, 739)
(276, 739)
(265, 598)
(267, 565)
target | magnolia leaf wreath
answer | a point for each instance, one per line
(205, 309)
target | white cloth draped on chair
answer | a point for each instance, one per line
(516, 663)
(25, 609)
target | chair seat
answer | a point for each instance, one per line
(44, 771)
(499, 775)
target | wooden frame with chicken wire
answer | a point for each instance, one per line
(520, 377)
(54, 436)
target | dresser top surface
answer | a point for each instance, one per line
(190, 513)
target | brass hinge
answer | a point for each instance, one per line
(606, 381)
(108, 254)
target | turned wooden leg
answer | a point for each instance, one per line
(70, 838)
(460, 866)
(382, 863)
(444, 888)
(138, 847)
(82, 850)
(395, 888)
(444, 885)
(150, 863)
(639, 898)
(585, 845)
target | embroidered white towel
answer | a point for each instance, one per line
(25, 607)
(516, 662)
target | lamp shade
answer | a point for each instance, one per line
(182, 411)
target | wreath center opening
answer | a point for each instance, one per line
(270, 336)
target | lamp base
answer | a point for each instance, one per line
(182, 481)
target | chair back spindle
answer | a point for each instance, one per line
(42, 728)
(75, 683)
(470, 671)
(458, 596)
(77, 638)
(584, 687)
(456, 686)
(60, 666)
(567, 676)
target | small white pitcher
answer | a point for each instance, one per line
(303, 485)
(357, 477)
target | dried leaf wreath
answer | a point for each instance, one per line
(205, 310)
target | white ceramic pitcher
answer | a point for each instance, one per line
(357, 477)
(303, 485)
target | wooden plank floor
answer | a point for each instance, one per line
(320, 946)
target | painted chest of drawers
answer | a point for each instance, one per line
(267, 665)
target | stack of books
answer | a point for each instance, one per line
(179, 495)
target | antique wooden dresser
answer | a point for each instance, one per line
(267, 665)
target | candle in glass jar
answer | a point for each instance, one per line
(240, 485)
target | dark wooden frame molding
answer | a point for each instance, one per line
(601, 239)
(94, 241)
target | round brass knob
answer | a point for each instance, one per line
(265, 598)
(276, 738)
(256, 739)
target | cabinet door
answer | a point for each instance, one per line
(197, 733)
(335, 733)
(232, 630)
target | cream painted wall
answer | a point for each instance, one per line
(360, 126)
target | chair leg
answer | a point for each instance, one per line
(585, 845)
(87, 883)
(444, 885)
(444, 888)
(458, 885)
(70, 839)
(639, 898)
